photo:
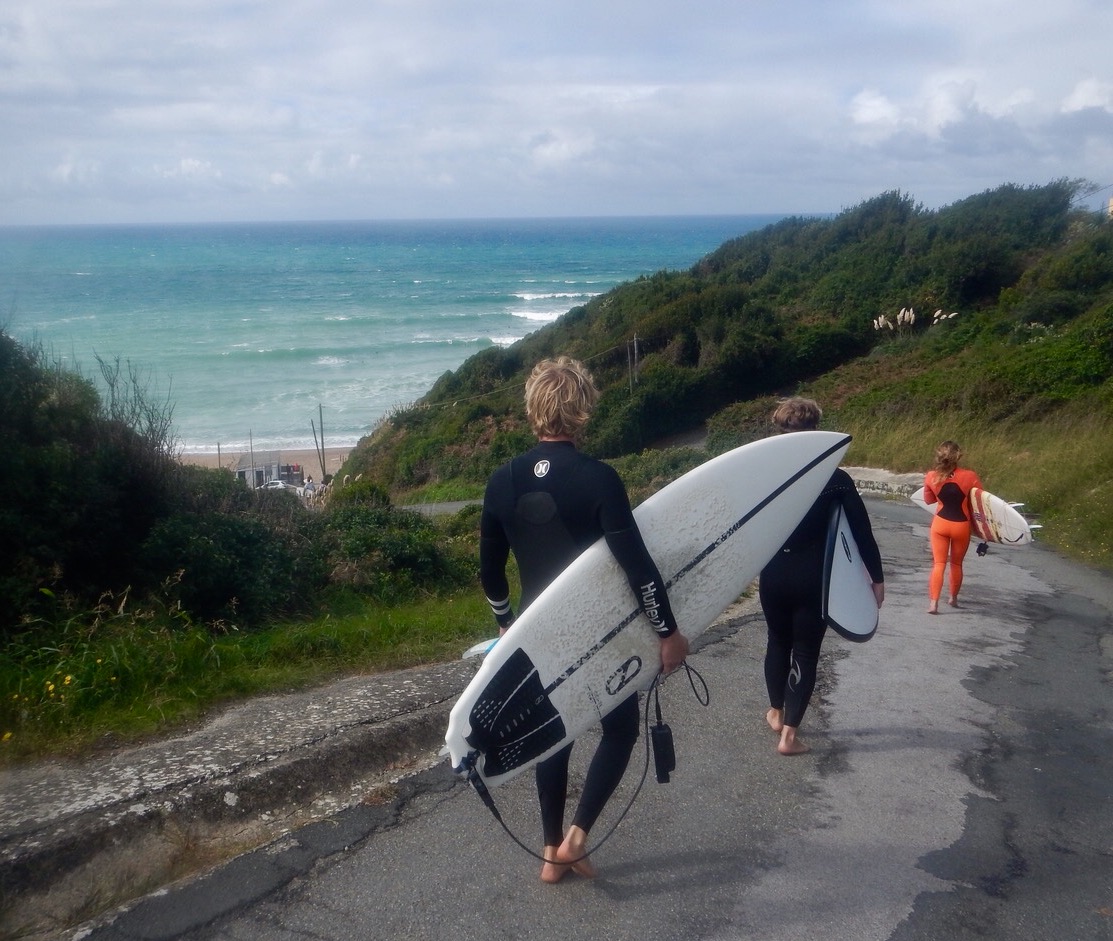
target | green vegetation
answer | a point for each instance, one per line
(1010, 351)
(121, 671)
(136, 593)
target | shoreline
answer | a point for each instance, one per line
(307, 458)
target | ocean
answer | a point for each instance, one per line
(267, 334)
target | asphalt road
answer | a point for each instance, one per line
(960, 786)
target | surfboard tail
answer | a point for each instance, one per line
(514, 721)
(848, 603)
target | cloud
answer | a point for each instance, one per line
(220, 109)
(190, 168)
(561, 147)
(1090, 93)
(875, 113)
(72, 171)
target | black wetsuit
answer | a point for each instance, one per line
(548, 506)
(791, 589)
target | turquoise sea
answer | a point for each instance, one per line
(264, 333)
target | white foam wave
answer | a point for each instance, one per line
(270, 443)
(450, 341)
(538, 316)
(553, 295)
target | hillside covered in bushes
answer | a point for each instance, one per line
(1008, 318)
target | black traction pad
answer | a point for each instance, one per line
(514, 720)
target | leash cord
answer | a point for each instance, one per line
(653, 692)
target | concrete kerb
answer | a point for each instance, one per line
(880, 483)
(78, 837)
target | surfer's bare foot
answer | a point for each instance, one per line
(776, 719)
(953, 601)
(570, 855)
(933, 608)
(552, 871)
(573, 852)
(790, 744)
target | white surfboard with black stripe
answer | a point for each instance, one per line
(583, 645)
(849, 604)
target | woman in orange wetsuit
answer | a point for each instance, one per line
(948, 485)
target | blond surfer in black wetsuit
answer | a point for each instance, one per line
(547, 506)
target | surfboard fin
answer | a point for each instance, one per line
(515, 720)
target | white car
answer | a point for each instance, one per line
(277, 484)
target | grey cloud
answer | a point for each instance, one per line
(213, 109)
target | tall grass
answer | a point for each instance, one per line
(117, 674)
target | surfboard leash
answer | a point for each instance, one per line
(473, 778)
(660, 735)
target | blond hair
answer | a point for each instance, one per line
(797, 414)
(947, 456)
(560, 395)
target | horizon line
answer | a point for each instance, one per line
(414, 220)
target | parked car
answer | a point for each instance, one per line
(277, 484)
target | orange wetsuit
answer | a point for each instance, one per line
(950, 527)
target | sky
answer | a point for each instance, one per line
(123, 111)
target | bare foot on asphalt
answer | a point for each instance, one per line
(790, 744)
(571, 854)
(776, 719)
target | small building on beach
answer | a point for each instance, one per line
(258, 468)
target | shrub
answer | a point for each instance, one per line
(464, 522)
(227, 568)
(393, 555)
(645, 473)
(359, 492)
(662, 402)
(1057, 368)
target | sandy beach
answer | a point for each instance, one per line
(308, 459)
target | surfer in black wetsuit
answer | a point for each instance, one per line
(547, 506)
(791, 589)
